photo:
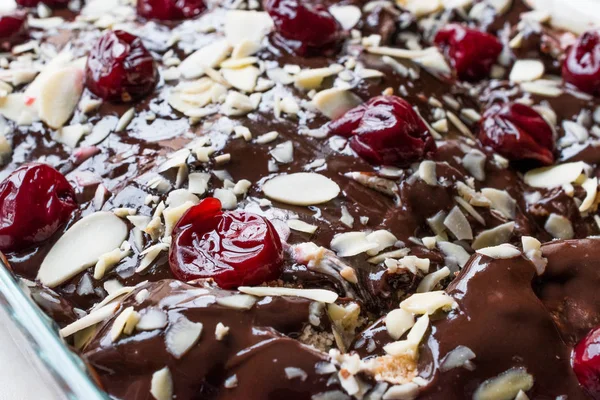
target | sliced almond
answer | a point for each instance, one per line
(16, 108)
(243, 79)
(321, 295)
(237, 301)
(428, 303)
(526, 71)
(504, 386)
(347, 15)
(494, 237)
(125, 322)
(430, 281)
(335, 102)
(59, 96)
(243, 26)
(209, 56)
(301, 189)
(501, 201)
(458, 224)
(349, 244)
(91, 319)
(421, 8)
(454, 251)
(301, 226)
(81, 247)
(559, 227)
(397, 322)
(500, 252)
(181, 336)
(161, 385)
(591, 190)
(554, 176)
(151, 319)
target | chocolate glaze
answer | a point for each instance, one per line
(506, 315)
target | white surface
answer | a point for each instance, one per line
(19, 375)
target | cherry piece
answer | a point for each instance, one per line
(13, 28)
(234, 248)
(35, 201)
(170, 10)
(581, 68)
(386, 130)
(517, 132)
(585, 360)
(119, 68)
(49, 3)
(305, 27)
(471, 52)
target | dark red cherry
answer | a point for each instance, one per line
(581, 68)
(517, 132)
(311, 26)
(119, 68)
(235, 248)
(386, 130)
(35, 201)
(170, 10)
(13, 28)
(585, 360)
(471, 52)
(49, 3)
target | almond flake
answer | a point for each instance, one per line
(501, 201)
(382, 238)
(411, 344)
(93, 318)
(420, 8)
(504, 386)
(428, 303)
(397, 322)
(243, 79)
(500, 252)
(454, 251)
(591, 190)
(237, 301)
(221, 331)
(309, 79)
(405, 391)
(532, 248)
(161, 386)
(151, 319)
(301, 226)
(427, 172)
(526, 71)
(283, 152)
(125, 120)
(108, 260)
(474, 162)
(460, 356)
(349, 244)
(243, 26)
(541, 88)
(335, 102)
(181, 336)
(150, 255)
(494, 237)
(301, 189)
(430, 281)
(172, 215)
(81, 247)
(209, 56)
(555, 176)
(125, 322)
(458, 224)
(320, 295)
(559, 227)
(59, 96)
(72, 134)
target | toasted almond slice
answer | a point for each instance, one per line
(321, 295)
(81, 247)
(504, 386)
(335, 102)
(181, 336)
(91, 319)
(554, 176)
(301, 189)
(428, 303)
(526, 71)
(397, 322)
(161, 386)
(243, 26)
(59, 96)
(500, 252)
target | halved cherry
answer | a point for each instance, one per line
(35, 201)
(13, 28)
(307, 26)
(386, 130)
(119, 68)
(170, 10)
(234, 248)
(581, 68)
(517, 132)
(471, 52)
(585, 360)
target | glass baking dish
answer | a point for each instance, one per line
(65, 370)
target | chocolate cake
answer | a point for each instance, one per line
(229, 199)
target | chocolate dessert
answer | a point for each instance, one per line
(229, 199)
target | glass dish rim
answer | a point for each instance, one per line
(65, 367)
